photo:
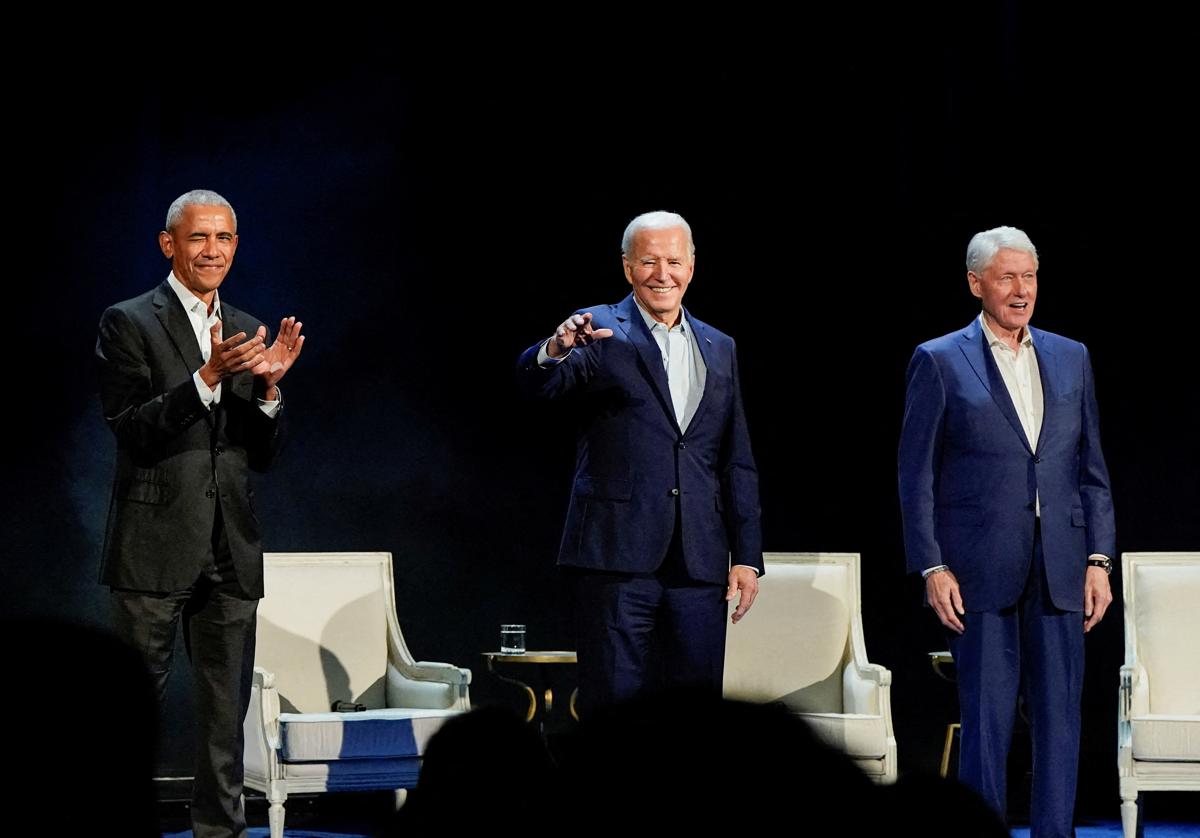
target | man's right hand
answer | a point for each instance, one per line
(575, 331)
(941, 589)
(231, 356)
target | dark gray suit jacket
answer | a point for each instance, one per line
(176, 460)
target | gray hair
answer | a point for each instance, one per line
(657, 220)
(197, 198)
(983, 247)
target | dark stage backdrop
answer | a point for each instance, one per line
(429, 220)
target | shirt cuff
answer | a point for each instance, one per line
(937, 567)
(544, 359)
(752, 567)
(208, 395)
(272, 408)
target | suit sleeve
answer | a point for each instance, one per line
(739, 485)
(260, 434)
(141, 419)
(1094, 487)
(920, 460)
(557, 380)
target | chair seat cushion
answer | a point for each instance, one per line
(372, 734)
(1166, 738)
(351, 774)
(856, 735)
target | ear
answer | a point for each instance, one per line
(628, 268)
(166, 244)
(974, 282)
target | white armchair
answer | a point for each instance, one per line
(1158, 724)
(802, 646)
(327, 632)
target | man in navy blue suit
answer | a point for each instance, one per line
(663, 525)
(1008, 516)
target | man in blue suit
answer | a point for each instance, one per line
(1008, 516)
(665, 489)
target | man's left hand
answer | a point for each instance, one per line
(1096, 597)
(280, 357)
(742, 579)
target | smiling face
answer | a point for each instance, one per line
(1008, 289)
(659, 266)
(201, 248)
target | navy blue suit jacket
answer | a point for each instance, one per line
(634, 464)
(968, 477)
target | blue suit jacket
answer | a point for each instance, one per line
(634, 464)
(968, 477)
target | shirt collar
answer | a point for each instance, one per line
(190, 301)
(652, 324)
(1026, 339)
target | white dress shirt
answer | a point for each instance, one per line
(682, 361)
(1023, 380)
(202, 321)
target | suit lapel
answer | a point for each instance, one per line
(231, 324)
(630, 320)
(705, 345)
(1047, 361)
(979, 356)
(178, 327)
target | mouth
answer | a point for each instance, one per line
(1019, 306)
(661, 290)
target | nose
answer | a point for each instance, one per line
(210, 251)
(660, 271)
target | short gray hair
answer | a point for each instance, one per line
(196, 198)
(983, 247)
(657, 220)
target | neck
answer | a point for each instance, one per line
(669, 319)
(1009, 337)
(207, 298)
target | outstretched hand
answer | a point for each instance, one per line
(575, 331)
(278, 359)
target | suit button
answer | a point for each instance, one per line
(219, 451)
(209, 493)
(1037, 460)
(682, 446)
(675, 492)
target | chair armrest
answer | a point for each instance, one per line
(428, 684)
(1124, 725)
(264, 678)
(865, 688)
(1134, 691)
(446, 673)
(268, 706)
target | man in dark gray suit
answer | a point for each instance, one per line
(188, 385)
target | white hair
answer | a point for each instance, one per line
(657, 220)
(984, 246)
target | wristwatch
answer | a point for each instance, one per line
(1104, 563)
